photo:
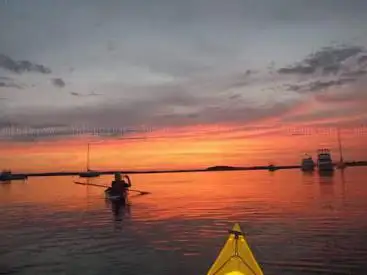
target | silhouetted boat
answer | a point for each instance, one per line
(6, 175)
(324, 160)
(89, 173)
(272, 168)
(307, 164)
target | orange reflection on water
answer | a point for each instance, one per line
(52, 192)
(213, 195)
(223, 193)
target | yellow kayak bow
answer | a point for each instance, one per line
(236, 257)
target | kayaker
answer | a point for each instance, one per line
(119, 185)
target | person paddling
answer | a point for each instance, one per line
(127, 184)
(119, 185)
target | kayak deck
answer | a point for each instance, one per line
(115, 197)
(236, 257)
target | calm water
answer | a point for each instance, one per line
(295, 223)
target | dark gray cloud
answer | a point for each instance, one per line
(158, 113)
(328, 68)
(356, 94)
(84, 95)
(48, 131)
(9, 85)
(8, 82)
(298, 69)
(21, 66)
(355, 74)
(316, 86)
(235, 96)
(116, 46)
(144, 124)
(58, 82)
(362, 60)
(319, 85)
(328, 60)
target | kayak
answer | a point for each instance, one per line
(113, 197)
(236, 257)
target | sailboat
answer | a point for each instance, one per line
(89, 173)
(341, 164)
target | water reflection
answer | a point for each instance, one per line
(308, 177)
(326, 177)
(343, 189)
(327, 192)
(13, 181)
(308, 173)
(119, 209)
(5, 183)
(53, 226)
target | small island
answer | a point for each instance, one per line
(222, 168)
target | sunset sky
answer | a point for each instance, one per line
(180, 84)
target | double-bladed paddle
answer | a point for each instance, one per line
(104, 186)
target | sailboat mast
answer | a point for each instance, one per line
(88, 158)
(340, 147)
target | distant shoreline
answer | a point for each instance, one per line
(209, 169)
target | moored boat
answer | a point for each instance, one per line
(6, 175)
(324, 160)
(272, 168)
(307, 164)
(236, 257)
(89, 173)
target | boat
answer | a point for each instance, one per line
(324, 160)
(89, 173)
(115, 197)
(119, 196)
(272, 168)
(236, 257)
(307, 164)
(6, 175)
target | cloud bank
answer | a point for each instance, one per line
(21, 66)
(178, 63)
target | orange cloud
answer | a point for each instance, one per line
(181, 148)
(281, 139)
